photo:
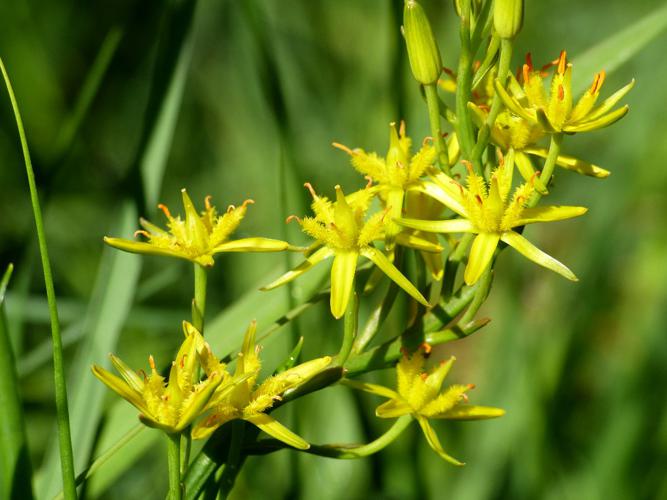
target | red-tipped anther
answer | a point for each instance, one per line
(165, 210)
(478, 198)
(471, 386)
(561, 62)
(291, 218)
(449, 72)
(151, 362)
(231, 208)
(529, 61)
(484, 107)
(142, 233)
(207, 202)
(309, 187)
(468, 166)
(426, 348)
(247, 202)
(342, 148)
(561, 93)
(182, 363)
(526, 73)
(597, 82)
(370, 181)
(423, 376)
(401, 129)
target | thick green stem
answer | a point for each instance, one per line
(234, 460)
(433, 103)
(350, 322)
(173, 460)
(463, 86)
(64, 435)
(496, 105)
(549, 165)
(199, 303)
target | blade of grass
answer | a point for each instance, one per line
(64, 435)
(15, 468)
(619, 48)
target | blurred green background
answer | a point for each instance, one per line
(127, 102)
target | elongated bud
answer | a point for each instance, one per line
(507, 17)
(422, 49)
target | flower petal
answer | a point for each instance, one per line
(471, 412)
(480, 256)
(610, 101)
(143, 247)
(252, 245)
(531, 252)
(196, 403)
(512, 103)
(120, 387)
(434, 442)
(447, 191)
(379, 390)
(412, 241)
(599, 122)
(439, 226)
(317, 257)
(274, 428)
(394, 408)
(527, 171)
(380, 260)
(548, 213)
(342, 280)
(572, 163)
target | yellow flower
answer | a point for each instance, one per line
(171, 406)
(419, 395)
(556, 112)
(341, 231)
(397, 173)
(488, 211)
(199, 237)
(241, 398)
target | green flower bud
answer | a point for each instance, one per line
(507, 17)
(422, 49)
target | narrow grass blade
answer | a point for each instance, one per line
(15, 468)
(612, 52)
(64, 435)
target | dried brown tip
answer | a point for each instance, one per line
(428, 140)
(142, 233)
(468, 166)
(370, 181)
(291, 218)
(309, 187)
(207, 202)
(151, 362)
(342, 147)
(247, 202)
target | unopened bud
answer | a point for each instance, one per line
(422, 49)
(507, 17)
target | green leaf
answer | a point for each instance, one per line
(612, 52)
(15, 468)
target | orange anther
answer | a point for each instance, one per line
(165, 210)
(401, 129)
(562, 62)
(207, 202)
(309, 187)
(561, 93)
(231, 208)
(247, 202)
(151, 362)
(529, 61)
(478, 198)
(370, 181)
(423, 376)
(182, 363)
(291, 218)
(341, 147)
(142, 233)
(526, 73)
(468, 166)
(597, 82)
(426, 348)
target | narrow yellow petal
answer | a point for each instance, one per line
(342, 279)
(380, 260)
(120, 387)
(512, 104)
(447, 191)
(143, 247)
(481, 253)
(548, 213)
(572, 163)
(531, 252)
(317, 257)
(434, 442)
(439, 226)
(412, 241)
(252, 245)
(274, 428)
(393, 408)
(379, 390)
(471, 412)
(599, 122)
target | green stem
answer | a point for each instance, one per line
(350, 322)
(199, 303)
(337, 451)
(234, 460)
(463, 86)
(481, 293)
(64, 435)
(174, 459)
(549, 165)
(433, 103)
(496, 105)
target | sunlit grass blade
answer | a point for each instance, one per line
(15, 468)
(615, 50)
(66, 465)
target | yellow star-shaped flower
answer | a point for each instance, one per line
(199, 237)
